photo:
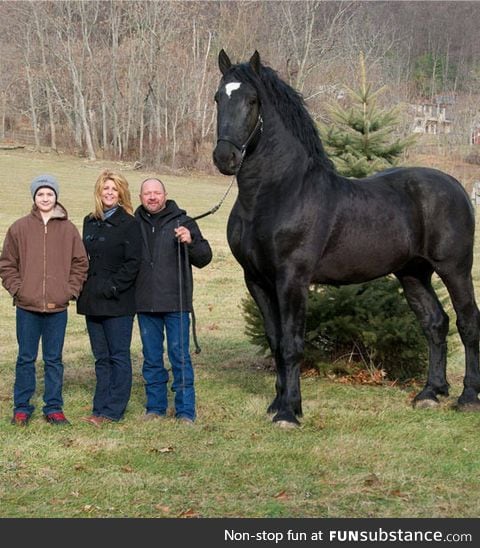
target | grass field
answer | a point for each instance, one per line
(362, 451)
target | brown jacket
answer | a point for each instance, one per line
(43, 266)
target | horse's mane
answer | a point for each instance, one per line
(290, 106)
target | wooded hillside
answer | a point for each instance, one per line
(135, 80)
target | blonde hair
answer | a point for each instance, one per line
(124, 198)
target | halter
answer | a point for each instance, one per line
(243, 151)
(243, 148)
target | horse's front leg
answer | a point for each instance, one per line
(266, 300)
(292, 304)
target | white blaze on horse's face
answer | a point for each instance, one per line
(231, 87)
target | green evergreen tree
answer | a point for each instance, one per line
(360, 139)
(362, 326)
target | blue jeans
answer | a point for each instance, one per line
(110, 339)
(176, 326)
(31, 327)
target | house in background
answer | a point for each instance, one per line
(433, 117)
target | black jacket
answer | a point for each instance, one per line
(158, 282)
(114, 250)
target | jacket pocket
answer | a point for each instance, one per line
(57, 294)
(29, 295)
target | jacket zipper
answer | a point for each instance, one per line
(151, 255)
(45, 269)
(152, 250)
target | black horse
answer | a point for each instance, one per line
(296, 222)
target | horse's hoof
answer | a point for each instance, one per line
(425, 404)
(286, 424)
(470, 407)
(286, 419)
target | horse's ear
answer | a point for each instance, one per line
(224, 62)
(255, 62)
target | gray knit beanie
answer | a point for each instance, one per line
(44, 181)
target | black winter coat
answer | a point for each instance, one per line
(158, 282)
(114, 250)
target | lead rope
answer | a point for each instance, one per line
(189, 286)
(217, 207)
(180, 292)
(190, 279)
(243, 150)
(258, 126)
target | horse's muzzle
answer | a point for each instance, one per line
(227, 157)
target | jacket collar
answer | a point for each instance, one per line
(117, 218)
(59, 212)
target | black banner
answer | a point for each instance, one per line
(243, 533)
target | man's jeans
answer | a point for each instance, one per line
(110, 339)
(176, 326)
(31, 327)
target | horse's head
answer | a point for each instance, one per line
(238, 114)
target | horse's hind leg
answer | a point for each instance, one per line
(460, 288)
(416, 283)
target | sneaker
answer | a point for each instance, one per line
(56, 418)
(96, 420)
(186, 420)
(153, 417)
(20, 418)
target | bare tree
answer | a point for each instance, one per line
(39, 19)
(74, 36)
(135, 80)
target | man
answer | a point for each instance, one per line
(172, 242)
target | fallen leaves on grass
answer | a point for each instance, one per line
(363, 376)
(189, 513)
(310, 372)
(399, 494)
(168, 449)
(282, 495)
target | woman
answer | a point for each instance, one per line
(113, 241)
(43, 266)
